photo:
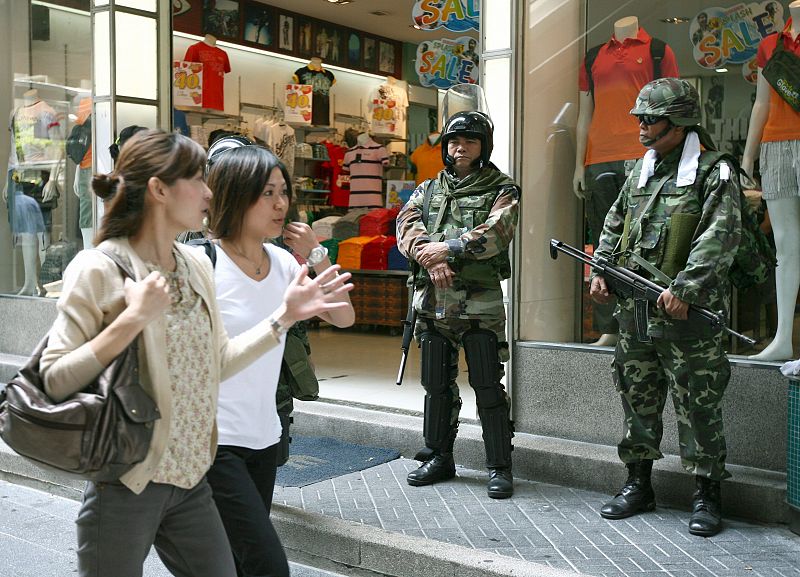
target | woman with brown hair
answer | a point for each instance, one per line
(157, 190)
(252, 195)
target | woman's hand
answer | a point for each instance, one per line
(146, 299)
(306, 297)
(300, 238)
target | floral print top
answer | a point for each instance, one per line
(187, 457)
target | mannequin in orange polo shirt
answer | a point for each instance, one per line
(607, 136)
(775, 126)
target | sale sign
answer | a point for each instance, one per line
(731, 35)
(297, 107)
(455, 15)
(187, 83)
(445, 62)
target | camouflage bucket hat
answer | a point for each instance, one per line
(672, 98)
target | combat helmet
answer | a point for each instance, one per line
(472, 124)
(673, 98)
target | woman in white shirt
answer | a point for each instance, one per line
(252, 193)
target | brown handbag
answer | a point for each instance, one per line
(96, 434)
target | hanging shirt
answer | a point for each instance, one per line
(321, 81)
(427, 158)
(215, 66)
(281, 140)
(619, 72)
(783, 122)
(387, 107)
(339, 181)
(365, 164)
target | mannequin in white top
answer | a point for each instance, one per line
(784, 214)
(210, 39)
(624, 28)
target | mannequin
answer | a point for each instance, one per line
(775, 128)
(363, 139)
(388, 103)
(215, 66)
(322, 81)
(607, 137)
(83, 172)
(31, 192)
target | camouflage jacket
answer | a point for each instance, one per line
(690, 234)
(476, 216)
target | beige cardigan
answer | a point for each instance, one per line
(93, 296)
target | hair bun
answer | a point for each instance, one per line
(105, 186)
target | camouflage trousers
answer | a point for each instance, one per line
(453, 330)
(695, 372)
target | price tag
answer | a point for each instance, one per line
(297, 109)
(187, 83)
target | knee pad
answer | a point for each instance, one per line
(483, 362)
(439, 402)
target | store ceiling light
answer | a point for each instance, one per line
(720, 70)
(339, 1)
(676, 20)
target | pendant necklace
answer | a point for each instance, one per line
(256, 265)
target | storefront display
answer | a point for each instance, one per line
(321, 82)
(365, 163)
(215, 66)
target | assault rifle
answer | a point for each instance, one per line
(627, 284)
(408, 325)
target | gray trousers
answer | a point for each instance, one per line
(604, 180)
(116, 529)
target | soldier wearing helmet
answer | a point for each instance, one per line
(676, 221)
(456, 230)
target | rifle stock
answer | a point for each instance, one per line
(408, 330)
(627, 284)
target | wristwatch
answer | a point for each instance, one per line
(316, 256)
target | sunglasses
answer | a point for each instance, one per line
(649, 119)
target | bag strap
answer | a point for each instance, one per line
(426, 201)
(121, 264)
(209, 246)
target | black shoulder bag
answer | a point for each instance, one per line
(783, 74)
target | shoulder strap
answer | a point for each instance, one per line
(426, 201)
(123, 266)
(591, 56)
(208, 246)
(657, 49)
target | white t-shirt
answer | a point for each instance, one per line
(246, 414)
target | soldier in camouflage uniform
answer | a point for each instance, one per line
(460, 239)
(684, 238)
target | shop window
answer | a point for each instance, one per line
(579, 139)
(47, 213)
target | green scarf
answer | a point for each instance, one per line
(479, 182)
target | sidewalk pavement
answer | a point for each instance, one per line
(373, 523)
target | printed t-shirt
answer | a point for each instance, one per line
(215, 65)
(246, 413)
(36, 130)
(427, 159)
(281, 140)
(365, 164)
(321, 81)
(387, 109)
(783, 123)
(619, 72)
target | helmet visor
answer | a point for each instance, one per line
(463, 98)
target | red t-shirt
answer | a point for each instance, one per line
(783, 123)
(339, 182)
(215, 65)
(619, 72)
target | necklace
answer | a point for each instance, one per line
(256, 265)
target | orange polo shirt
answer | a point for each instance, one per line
(619, 72)
(427, 159)
(783, 123)
(84, 111)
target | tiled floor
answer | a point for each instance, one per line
(549, 524)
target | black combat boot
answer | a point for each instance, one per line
(706, 519)
(501, 483)
(635, 496)
(440, 467)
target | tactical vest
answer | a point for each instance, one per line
(475, 210)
